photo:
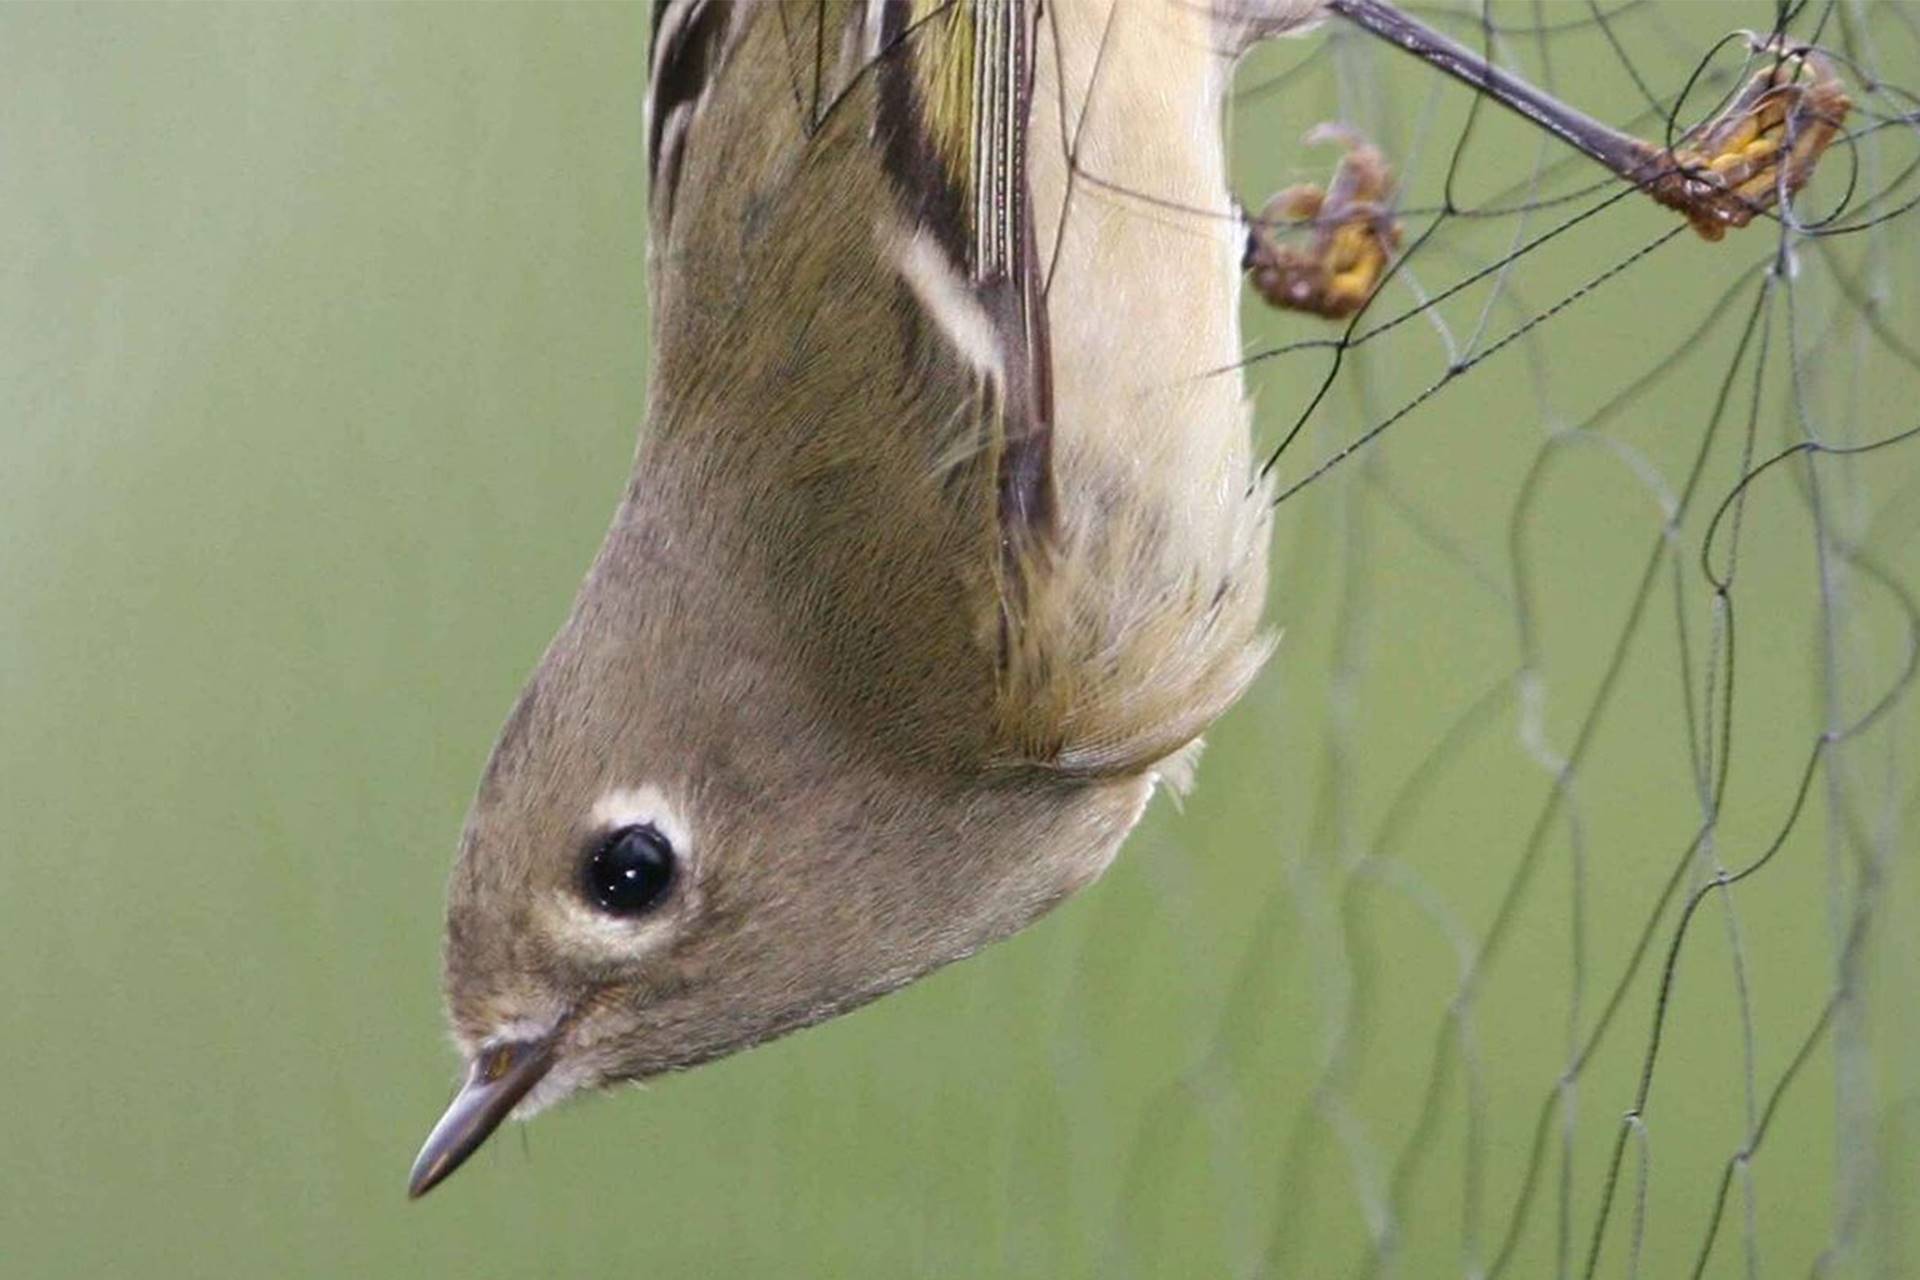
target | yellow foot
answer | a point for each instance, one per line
(1760, 150)
(1353, 240)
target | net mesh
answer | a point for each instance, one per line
(1585, 769)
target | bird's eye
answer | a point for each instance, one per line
(630, 871)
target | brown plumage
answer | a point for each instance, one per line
(942, 543)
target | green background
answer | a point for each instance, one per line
(322, 350)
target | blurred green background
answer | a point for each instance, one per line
(322, 350)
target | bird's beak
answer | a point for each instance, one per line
(500, 1076)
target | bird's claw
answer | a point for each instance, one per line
(1354, 234)
(1757, 152)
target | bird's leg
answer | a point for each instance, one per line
(1353, 234)
(1757, 152)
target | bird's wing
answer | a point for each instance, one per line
(955, 97)
(896, 440)
(950, 85)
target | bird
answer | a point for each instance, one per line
(944, 542)
(942, 548)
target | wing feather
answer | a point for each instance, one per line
(955, 98)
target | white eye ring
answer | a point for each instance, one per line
(578, 927)
(643, 807)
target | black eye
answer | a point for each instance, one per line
(629, 872)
